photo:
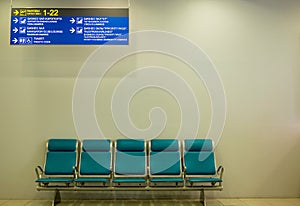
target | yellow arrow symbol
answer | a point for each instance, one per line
(16, 12)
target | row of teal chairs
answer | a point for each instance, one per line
(132, 164)
(125, 162)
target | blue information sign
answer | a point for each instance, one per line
(66, 26)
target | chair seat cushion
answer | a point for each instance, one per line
(95, 163)
(165, 163)
(129, 180)
(130, 163)
(49, 180)
(204, 179)
(92, 179)
(166, 180)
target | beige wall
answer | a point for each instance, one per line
(255, 47)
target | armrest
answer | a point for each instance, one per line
(184, 172)
(75, 172)
(39, 172)
(148, 171)
(220, 171)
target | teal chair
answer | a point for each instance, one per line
(61, 158)
(130, 163)
(57, 174)
(199, 163)
(200, 167)
(95, 164)
(165, 167)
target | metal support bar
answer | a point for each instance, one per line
(202, 198)
(147, 188)
(57, 198)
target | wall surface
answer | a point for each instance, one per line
(254, 46)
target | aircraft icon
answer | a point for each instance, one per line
(22, 20)
(22, 30)
(79, 30)
(79, 20)
(23, 12)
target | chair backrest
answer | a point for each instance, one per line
(164, 145)
(130, 145)
(96, 145)
(95, 158)
(197, 145)
(130, 157)
(199, 158)
(61, 156)
(164, 157)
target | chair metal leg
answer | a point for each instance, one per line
(57, 198)
(202, 198)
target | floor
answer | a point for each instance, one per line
(214, 202)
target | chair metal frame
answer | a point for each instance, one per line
(116, 176)
(40, 172)
(164, 184)
(78, 175)
(218, 174)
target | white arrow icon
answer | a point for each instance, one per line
(15, 30)
(16, 20)
(72, 20)
(15, 40)
(72, 30)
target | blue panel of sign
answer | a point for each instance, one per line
(66, 26)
